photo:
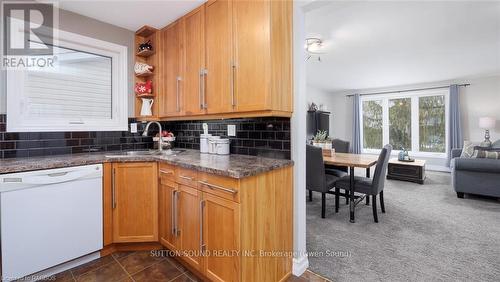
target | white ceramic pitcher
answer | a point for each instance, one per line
(147, 104)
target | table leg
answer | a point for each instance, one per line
(351, 202)
(368, 172)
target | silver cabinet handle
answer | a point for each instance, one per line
(200, 76)
(203, 88)
(178, 80)
(166, 172)
(172, 211)
(186, 177)
(213, 186)
(233, 72)
(202, 245)
(113, 189)
(176, 215)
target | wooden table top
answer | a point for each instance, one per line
(351, 160)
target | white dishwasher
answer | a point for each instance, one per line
(49, 217)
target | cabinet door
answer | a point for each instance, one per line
(171, 104)
(252, 72)
(135, 212)
(168, 214)
(219, 56)
(190, 225)
(194, 58)
(221, 233)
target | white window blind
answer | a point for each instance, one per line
(87, 90)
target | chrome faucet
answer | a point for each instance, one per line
(145, 133)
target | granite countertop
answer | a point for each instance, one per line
(235, 166)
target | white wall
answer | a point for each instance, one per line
(75, 23)
(481, 98)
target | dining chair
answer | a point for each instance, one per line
(369, 187)
(316, 178)
(340, 146)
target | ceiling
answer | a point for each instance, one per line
(132, 14)
(383, 44)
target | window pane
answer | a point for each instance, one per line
(400, 123)
(432, 124)
(372, 124)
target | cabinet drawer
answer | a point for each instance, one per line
(187, 177)
(224, 187)
(167, 172)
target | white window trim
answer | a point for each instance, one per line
(415, 95)
(16, 122)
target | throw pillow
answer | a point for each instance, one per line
(468, 150)
(496, 144)
(485, 154)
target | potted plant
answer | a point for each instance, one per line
(322, 140)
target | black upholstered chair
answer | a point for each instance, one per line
(370, 187)
(316, 179)
(340, 146)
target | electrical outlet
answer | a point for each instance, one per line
(231, 130)
(133, 127)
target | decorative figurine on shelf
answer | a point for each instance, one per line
(147, 105)
(404, 157)
(146, 46)
(142, 68)
(143, 88)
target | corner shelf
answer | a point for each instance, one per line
(150, 57)
(145, 53)
(144, 74)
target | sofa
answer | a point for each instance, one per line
(475, 176)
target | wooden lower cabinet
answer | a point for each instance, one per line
(135, 202)
(220, 226)
(189, 225)
(168, 216)
(231, 221)
(221, 238)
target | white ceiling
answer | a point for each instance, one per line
(383, 44)
(132, 14)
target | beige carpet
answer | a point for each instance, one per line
(426, 234)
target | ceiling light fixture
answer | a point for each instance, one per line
(314, 47)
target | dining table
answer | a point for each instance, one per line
(351, 161)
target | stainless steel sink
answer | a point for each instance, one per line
(144, 153)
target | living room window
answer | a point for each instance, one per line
(415, 121)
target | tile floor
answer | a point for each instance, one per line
(141, 266)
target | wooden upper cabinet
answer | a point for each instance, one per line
(228, 58)
(173, 69)
(219, 57)
(263, 56)
(252, 55)
(135, 195)
(194, 60)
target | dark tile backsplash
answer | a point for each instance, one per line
(254, 136)
(32, 144)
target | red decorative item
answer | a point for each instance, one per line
(143, 88)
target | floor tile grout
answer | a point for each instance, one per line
(123, 268)
(90, 270)
(148, 267)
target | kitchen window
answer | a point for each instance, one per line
(86, 91)
(416, 122)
